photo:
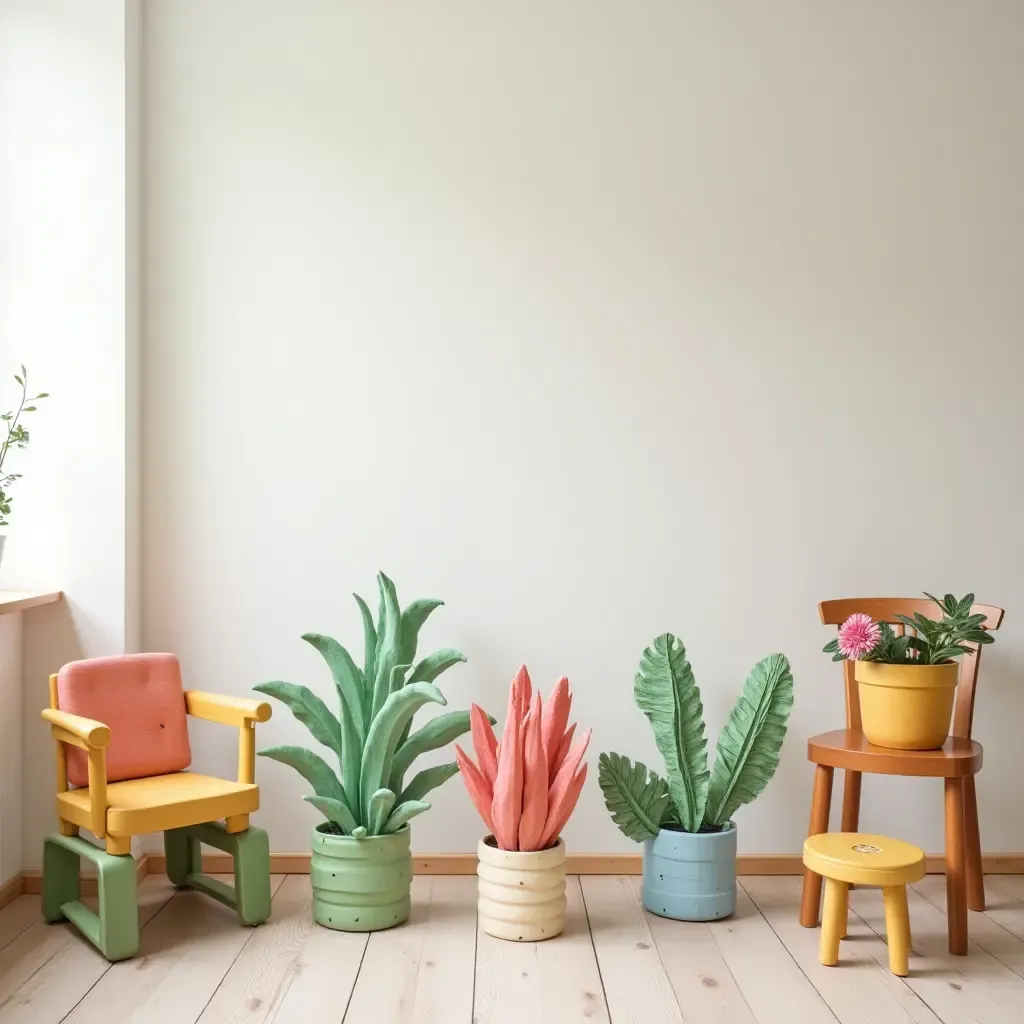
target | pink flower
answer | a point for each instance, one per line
(858, 636)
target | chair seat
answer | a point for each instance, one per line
(138, 806)
(864, 859)
(849, 749)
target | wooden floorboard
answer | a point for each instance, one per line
(614, 963)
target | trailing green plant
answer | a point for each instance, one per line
(690, 798)
(17, 437)
(930, 642)
(371, 737)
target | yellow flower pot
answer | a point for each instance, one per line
(907, 707)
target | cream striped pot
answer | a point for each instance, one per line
(521, 895)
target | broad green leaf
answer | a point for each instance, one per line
(430, 778)
(312, 767)
(309, 709)
(369, 649)
(385, 730)
(351, 761)
(665, 691)
(412, 621)
(380, 807)
(430, 667)
(437, 733)
(403, 812)
(636, 798)
(348, 680)
(398, 677)
(388, 644)
(336, 811)
(750, 744)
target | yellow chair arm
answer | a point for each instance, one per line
(80, 732)
(218, 707)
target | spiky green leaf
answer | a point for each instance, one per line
(430, 778)
(750, 744)
(336, 811)
(636, 797)
(369, 649)
(429, 668)
(403, 812)
(380, 807)
(412, 621)
(348, 680)
(437, 733)
(312, 767)
(309, 709)
(388, 643)
(665, 691)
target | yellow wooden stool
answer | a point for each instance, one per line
(853, 858)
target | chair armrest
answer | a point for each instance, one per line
(80, 732)
(218, 707)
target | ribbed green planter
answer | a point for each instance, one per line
(361, 885)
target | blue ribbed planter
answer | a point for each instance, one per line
(691, 876)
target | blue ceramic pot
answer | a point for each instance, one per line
(691, 876)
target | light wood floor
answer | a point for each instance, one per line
(614, 963)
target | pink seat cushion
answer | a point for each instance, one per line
(139, 696)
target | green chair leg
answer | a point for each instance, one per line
(250, 850)
(115, 929)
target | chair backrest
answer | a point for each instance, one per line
(885, 609)
(140, 698)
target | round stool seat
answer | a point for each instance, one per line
(863, 859)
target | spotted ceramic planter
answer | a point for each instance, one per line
(521, 895)
(361, 885)
(691, 876)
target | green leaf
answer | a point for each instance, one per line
(964, 605)
(665, 691)
(351, 760)
(309, 709)
(17, 377)
(437, 733)
(430, 667)
(369, 649)
(636, 798)
(403, 812)
(412, 621)
(335, 811)
(388, 643)
(750, 744)
(380, 807)
(430, 778)
(385, 730)
(398, 677)
(832, 646)
(348, 680)
(312, 767)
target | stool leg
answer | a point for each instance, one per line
(833, 922)
(897, 928)
(956, 868)
(821, 803)
(975, 878)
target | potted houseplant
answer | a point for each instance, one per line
(685, 819)
(906, 684)
(361, 868)
(17, 437)
(525, 789)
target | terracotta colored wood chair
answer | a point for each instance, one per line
(957, 762)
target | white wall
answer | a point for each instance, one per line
(595, 321)
(66, 279)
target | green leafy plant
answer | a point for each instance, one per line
(17, 437)
(690, 798)
(371, 737)
(930, 642)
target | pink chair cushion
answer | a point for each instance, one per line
(139, 696)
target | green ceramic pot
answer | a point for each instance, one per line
(361, 885)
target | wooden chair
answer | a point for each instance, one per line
(957, 762)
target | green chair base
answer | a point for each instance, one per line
(114, 931)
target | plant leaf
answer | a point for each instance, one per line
(312, 767)
(348, 680)
(309, 709)
(430, 778)
(336, 811)
(403, 812)
(387, 726)
(369, 649)
(430, 667)
(437, 733)
(749, 745)
(636, 797)
(665, 691)
(412, 621)
(388, 644)
(380, 807)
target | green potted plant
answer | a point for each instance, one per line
(685, 820)
(17, 437)
(361, 868)
(906, 684)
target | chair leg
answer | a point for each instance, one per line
(897, 928)
(975, 877)
(833, 924)
(821, 802)
(956, 868)
(851, 801)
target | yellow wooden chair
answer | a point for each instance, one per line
(122, 738)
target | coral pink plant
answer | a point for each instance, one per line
(859, 636)
(526, 787)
